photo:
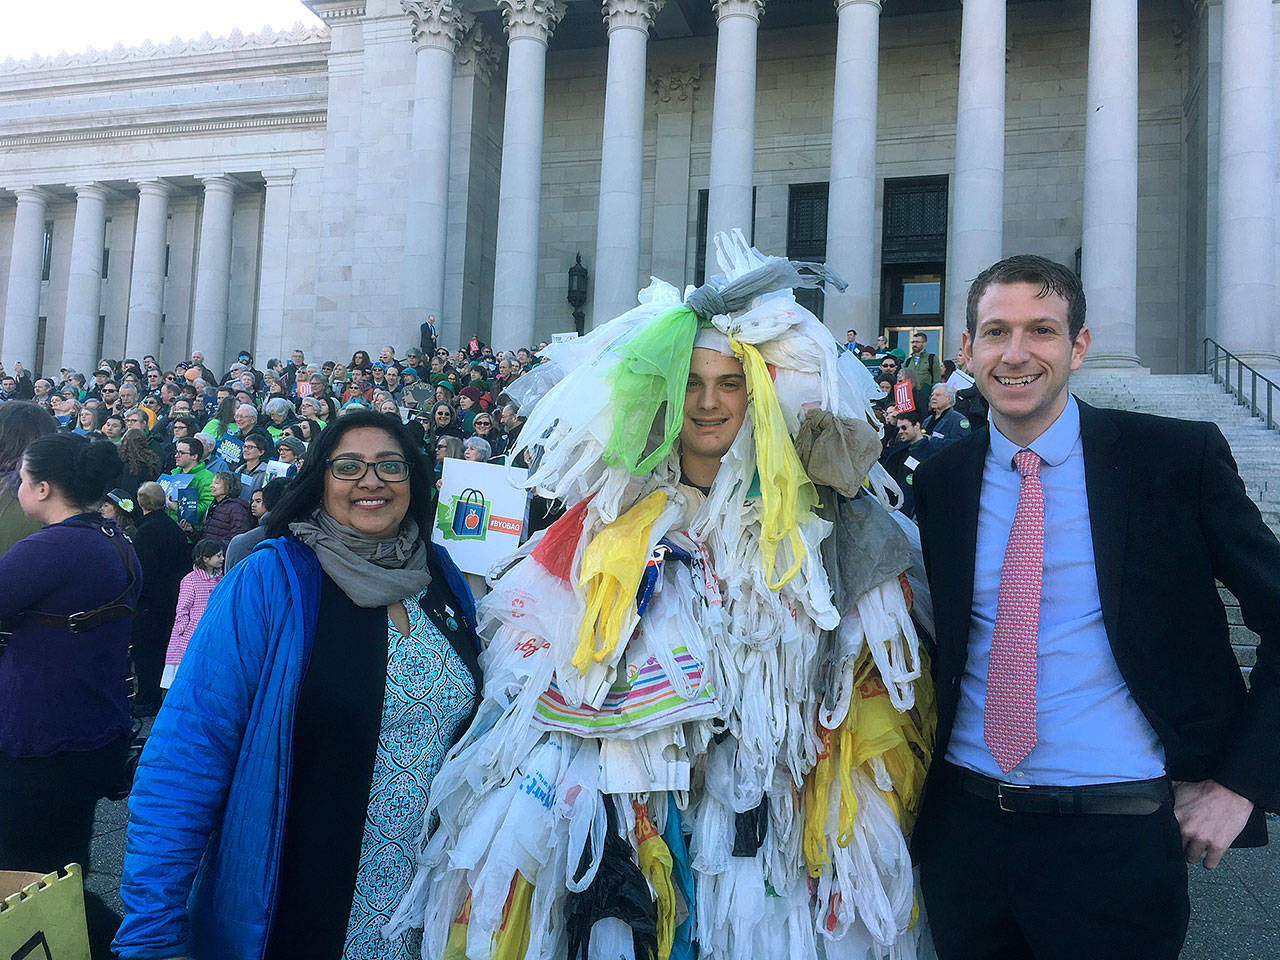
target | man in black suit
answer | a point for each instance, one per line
(1094, 733)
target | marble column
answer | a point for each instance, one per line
(674, 89)
(269, 338)
(1109, 258)
(438, 27)
(851, 203)
(22, 299)
(733, 121)
(146, 284)
(977, 204)
(213, 272)
(529, 25)
(84, 278)
(1246, 314)
(618, 220)
(470, 146)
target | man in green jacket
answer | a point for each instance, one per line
(188, 455)
(922, 367)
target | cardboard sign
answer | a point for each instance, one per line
(902, 398)
(42, 916)
(302, 388)
(481, 517)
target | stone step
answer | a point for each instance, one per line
(1255, 448)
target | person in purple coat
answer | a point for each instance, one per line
(66, 606)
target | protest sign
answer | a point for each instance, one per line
(902, 398)
(302, 388)
(178, 488)
(481, 517)
(230, 449)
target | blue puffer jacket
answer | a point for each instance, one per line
(207, 812)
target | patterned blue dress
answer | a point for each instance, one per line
(429, 695)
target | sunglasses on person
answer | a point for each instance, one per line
(353, 468)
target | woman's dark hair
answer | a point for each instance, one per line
(206, 548)
(21, 421)
(83, 470)
(448, 406)
(192, 427)
(226, 412)
(136, 454)
(297, 430)
(360, 361)
(306, 491)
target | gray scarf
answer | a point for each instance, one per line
(373, 573)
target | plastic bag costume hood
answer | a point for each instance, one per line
(702, 722)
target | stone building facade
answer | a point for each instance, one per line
(329, 187)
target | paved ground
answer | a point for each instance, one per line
(1235, 910)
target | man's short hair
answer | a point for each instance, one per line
(911, 416)
(1051, 277)
(948, 389)
(194, 446)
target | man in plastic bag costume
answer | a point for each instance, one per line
(705, 719)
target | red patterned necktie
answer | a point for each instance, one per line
(1009, 719)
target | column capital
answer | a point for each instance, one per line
(841, 4)
(536, 19)
(153, 186)
(678, 83)
(630, 14)
(724, 9)
(91, 190)
(278, 178)
(219, 182)
(31, 194)
(478, 55)
(437, 24)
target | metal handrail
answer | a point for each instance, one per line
(1224, 357)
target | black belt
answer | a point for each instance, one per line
(1137, 797)
(83, 621)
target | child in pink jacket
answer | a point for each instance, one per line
(193, 594)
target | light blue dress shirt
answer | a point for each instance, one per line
(1088, 728)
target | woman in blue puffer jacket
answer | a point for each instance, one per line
(283, 787)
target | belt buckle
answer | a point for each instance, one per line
(1001, 787)
(77, 622)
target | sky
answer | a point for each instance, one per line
(77, 25)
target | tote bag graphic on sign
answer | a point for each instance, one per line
(470, 511)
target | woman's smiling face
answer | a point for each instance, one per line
(370, 506)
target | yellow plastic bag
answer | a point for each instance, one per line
(656, 865)
(787, 495)
(612, 565)
(816, 790)
(511, 939)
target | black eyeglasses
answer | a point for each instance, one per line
(353, 468)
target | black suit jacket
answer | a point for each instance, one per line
(1169, 513)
